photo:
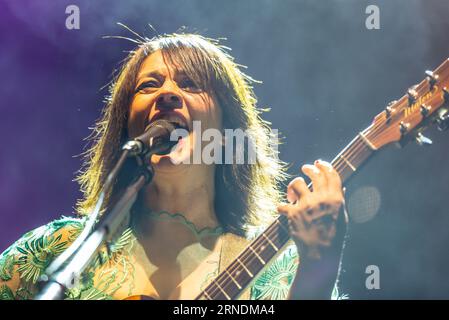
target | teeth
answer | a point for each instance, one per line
(175, 119)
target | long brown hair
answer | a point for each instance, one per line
(246, 194)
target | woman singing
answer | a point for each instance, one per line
(193, 218)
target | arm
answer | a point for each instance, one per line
(23, 262)
(318, 223)
(317, 278)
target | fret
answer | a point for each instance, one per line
(222, 290)
(278, 222)
(351, 157)
(233, 279)
(257, 255)
(262, 249)
(348, 163)
(244, 267)
(367, 142)
(270, 242)
(207, 295)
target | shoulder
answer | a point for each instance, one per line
(25, 260)
(275, 281)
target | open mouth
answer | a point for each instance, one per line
(175, 118)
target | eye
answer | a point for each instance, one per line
(188, 84)
(147, 85)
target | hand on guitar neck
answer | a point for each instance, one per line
(317, 223)
(317, 218)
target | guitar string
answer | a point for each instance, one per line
(339, 163)
(248, 258)
(220, 282)
(351, 151)
(223, 282)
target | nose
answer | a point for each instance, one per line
(168, 101)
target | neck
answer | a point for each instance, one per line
(189, 191)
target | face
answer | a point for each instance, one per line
(165, 92)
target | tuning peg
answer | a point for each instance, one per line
(425, 110)
(423, 140)
(412, 95)
(403, 127)
(443, 121)
(446, 95)
(432, 77)
(389, 109)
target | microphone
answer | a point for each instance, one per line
(101, 228)
(155, 140)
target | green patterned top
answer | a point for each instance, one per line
(24, 261)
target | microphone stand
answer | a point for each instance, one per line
(63, 272)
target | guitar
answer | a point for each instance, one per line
(424, 104)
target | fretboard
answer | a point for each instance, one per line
(243, 270)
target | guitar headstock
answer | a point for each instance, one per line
(425, 104)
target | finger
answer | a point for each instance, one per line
(333, 196)
(310, 213)
(294, 212)
(304, 208)
(287, 209)
(313, 214)
(315, 175)
(284, 208)
(324, 167)
(332, 176)
(297, 224)
(308, 236)
(296, 189)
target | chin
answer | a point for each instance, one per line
(174, 161)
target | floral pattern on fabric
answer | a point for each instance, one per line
(35, 250)
(112, 269)
(274, 282)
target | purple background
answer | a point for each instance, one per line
(325, 76)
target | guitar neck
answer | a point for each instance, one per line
(243, 270)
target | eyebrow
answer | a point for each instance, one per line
(157, 74)
(151, 74)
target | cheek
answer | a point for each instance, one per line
(137, 117)
(206, 110)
